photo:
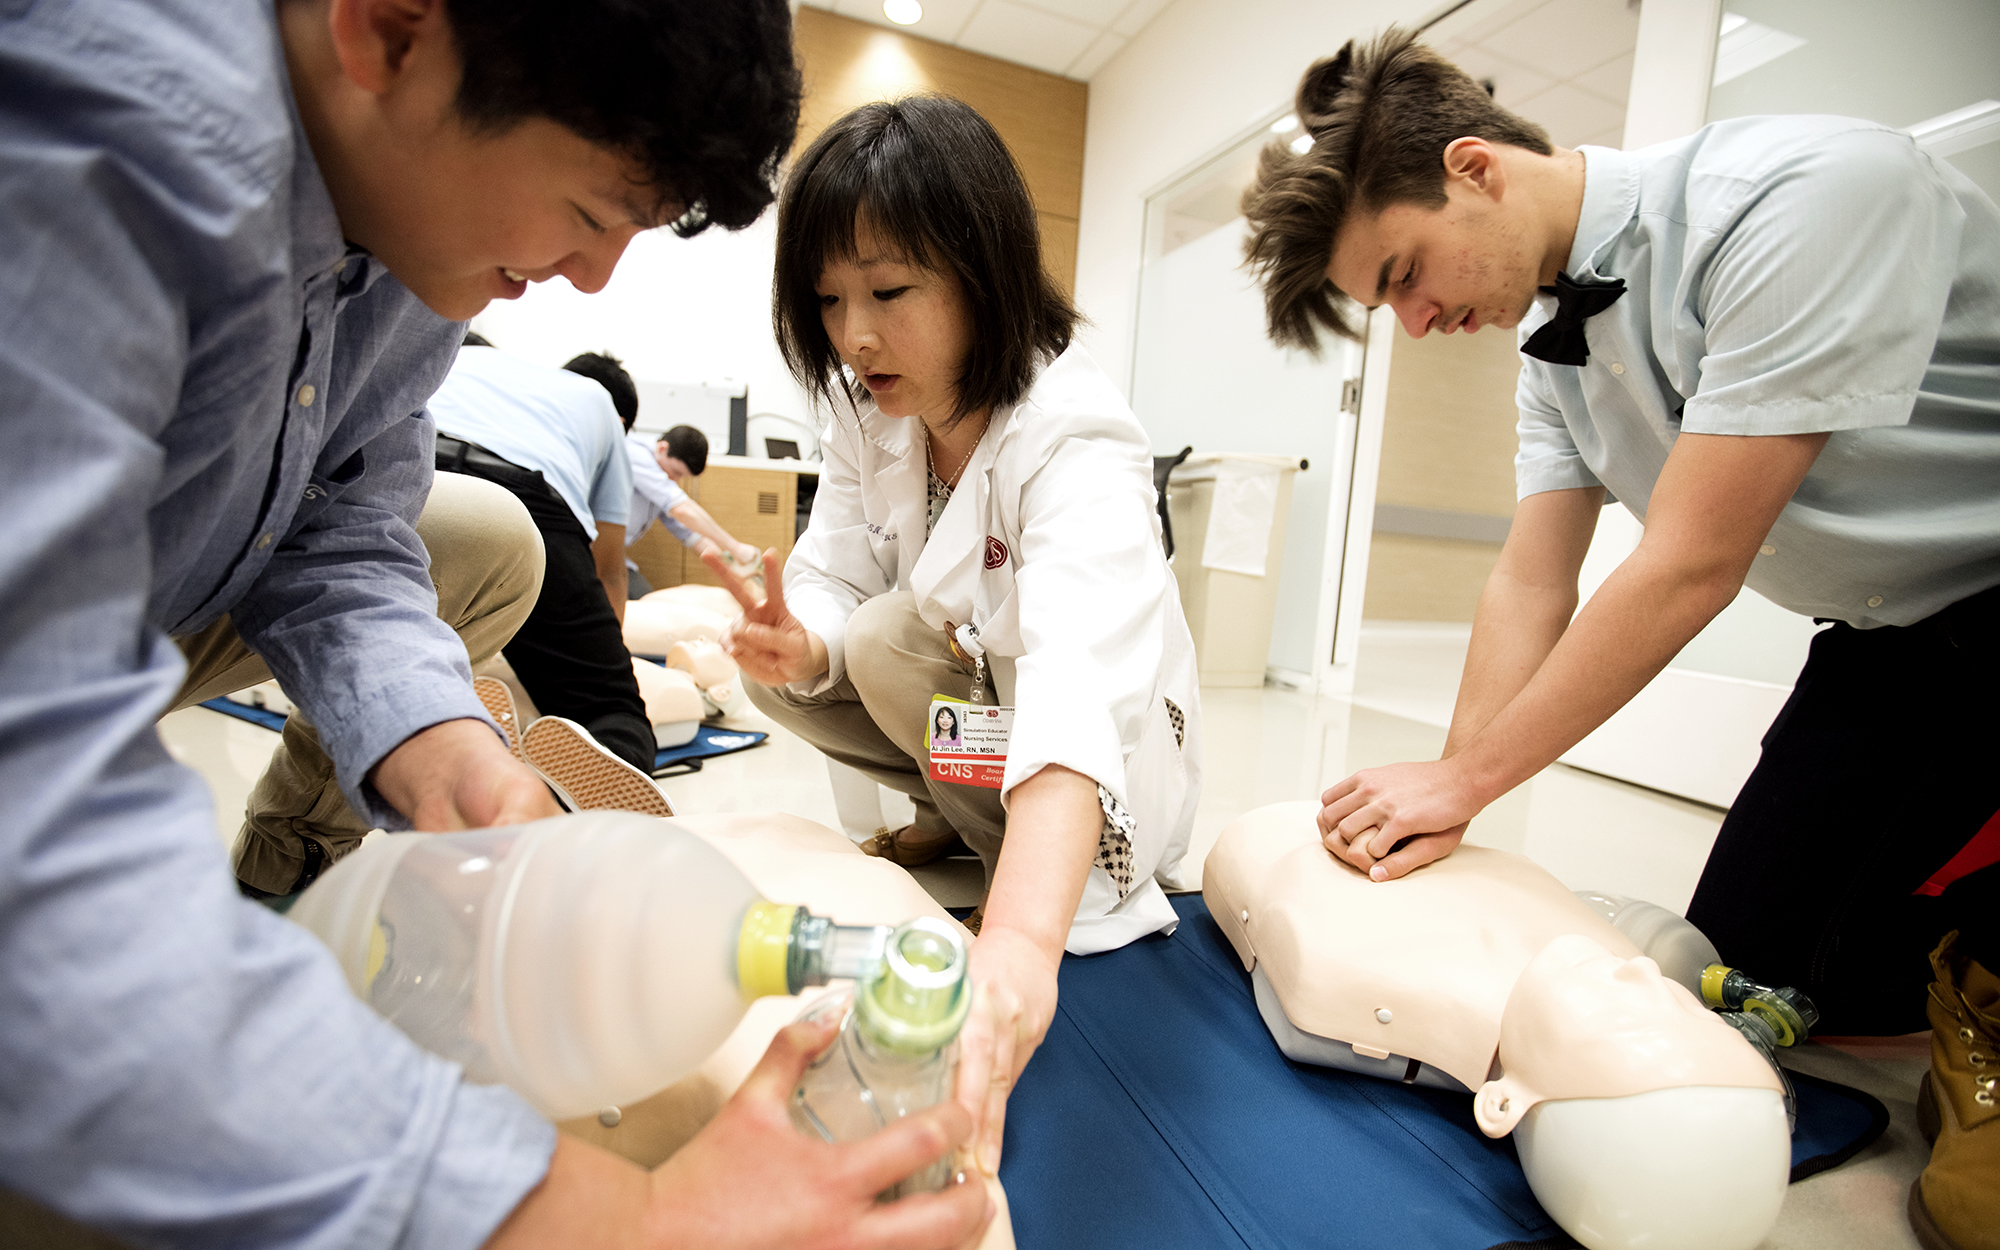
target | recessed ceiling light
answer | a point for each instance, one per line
(1284, 124)
(1303, 144)
(903, 12)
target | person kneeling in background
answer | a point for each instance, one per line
(554, 439)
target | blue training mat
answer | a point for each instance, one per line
(1158, 1112)
(708, 741)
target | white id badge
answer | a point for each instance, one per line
(968, 741)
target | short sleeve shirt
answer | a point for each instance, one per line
(1791, 275)
(654, 494)
(559, 423)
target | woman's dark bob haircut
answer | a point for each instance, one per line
(936, 183)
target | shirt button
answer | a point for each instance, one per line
(306, 394)
(1767, 550)
(1874, 601)
(263, 542)
(1618, 369)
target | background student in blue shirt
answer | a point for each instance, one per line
(1776, 341)
(236, 243)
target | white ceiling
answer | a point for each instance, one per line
(1073, 38)
(1566, 64)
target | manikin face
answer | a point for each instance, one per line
(903, 329)
(1469, 264)
(1583, 1023)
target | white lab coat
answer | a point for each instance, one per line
(1050, 545)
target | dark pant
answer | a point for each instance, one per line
(570, 653)
(1883, 764)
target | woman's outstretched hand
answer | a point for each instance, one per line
(1013, 1002)
(769, 644)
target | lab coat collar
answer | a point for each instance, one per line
(946, 576)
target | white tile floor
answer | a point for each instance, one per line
(1271, 745)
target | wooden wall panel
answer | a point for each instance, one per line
(1425, 579)
(1040, 116)
(1448, 437)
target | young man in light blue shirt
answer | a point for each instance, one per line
(555, 441)
(1776, 341)
(237, 239)
(659, 466)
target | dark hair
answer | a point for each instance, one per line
(689, 446)
(474, 338)
(1380, 116)
(945, 711)
(609, 372)
(935, 182)
(703, 96)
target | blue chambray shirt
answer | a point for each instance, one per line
(209, 405)
(1791, 275)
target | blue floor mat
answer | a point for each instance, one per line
(1158, 1112)
(708, 741)
(274, 721)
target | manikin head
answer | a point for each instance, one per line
(475, 146)
(1418, 191)
(1628, 1099)
(909, 252)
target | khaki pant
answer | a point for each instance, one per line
(875, 718)
(486, 561)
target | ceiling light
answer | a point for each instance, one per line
(903, 12)
(1960, 130)
(1303, 144)
(1284, 124)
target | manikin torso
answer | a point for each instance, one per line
(1628, 1095)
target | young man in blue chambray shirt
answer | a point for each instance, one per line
(1776, 341)
(236, 243)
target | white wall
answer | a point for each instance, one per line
(1193, 79)
(676, 310)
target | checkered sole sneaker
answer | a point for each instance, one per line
(499, 704)
(584, 775)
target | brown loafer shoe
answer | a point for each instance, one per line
(912, 847)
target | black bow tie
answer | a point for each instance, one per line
(1560, 342)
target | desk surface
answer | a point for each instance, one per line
(758, 462)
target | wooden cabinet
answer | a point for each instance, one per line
(755, 500)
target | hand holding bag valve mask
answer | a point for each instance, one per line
(968, 738)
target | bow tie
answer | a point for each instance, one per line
(1560, 342)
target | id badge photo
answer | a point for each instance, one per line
(968, 741)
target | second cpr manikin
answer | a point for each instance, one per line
(1628, 1100)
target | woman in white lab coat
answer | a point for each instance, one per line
(984, 530)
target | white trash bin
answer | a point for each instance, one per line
(1229, 510)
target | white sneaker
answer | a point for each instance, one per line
(584, 775)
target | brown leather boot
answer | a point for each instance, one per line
(1955, 1204)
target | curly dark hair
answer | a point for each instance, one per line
(936, 183)
(1381, 115)
(704, 96)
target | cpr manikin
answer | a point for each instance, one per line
(1641, 1118)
